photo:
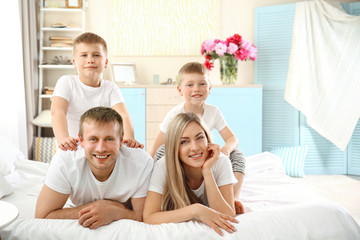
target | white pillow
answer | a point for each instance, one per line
(5, 187)
(264, 162)
(9, 154)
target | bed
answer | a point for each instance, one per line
(276, 207)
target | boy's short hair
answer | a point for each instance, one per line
(192, 67)
(90, 38)
(101, 115)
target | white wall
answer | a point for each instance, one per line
(236, 16)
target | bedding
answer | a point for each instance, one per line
(276, 207)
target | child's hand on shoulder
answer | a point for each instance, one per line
(132, 143)
(214, 152)
(68, 143)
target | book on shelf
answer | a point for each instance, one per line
(58, 41)
(59, 38)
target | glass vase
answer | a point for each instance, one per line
(228, 69)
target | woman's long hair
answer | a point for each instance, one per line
(177, 193)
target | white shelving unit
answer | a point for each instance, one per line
(74, 20)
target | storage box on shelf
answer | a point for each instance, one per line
(58, 28)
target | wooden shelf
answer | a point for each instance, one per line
(56, 66)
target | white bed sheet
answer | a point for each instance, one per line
(276, 208)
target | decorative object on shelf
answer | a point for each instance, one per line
(124, 73)
(73, 3)
(48, 90)
(229, 53)
(58, 60)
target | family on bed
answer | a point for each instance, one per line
(105, 173)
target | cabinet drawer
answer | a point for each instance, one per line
(152, 130)
(157, 113)
(162, 96)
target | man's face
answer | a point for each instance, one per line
(101, 142)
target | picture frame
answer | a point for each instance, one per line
(124, 73)
(73, 3)
(54, 3)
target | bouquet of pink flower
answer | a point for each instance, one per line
(233, 46)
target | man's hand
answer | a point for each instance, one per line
(100, 213)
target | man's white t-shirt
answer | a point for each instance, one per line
(69, 173)
(212, 117)
(82, 97)
(222, 171)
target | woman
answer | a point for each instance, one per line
(193, 180)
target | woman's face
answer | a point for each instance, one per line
(193, 146)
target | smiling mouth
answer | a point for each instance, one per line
(101, 157)
(197, 96)
(196, 156)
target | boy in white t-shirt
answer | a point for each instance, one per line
(195, 87)
(75, 94)
(98, 178)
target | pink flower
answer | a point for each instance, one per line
(208, 46)
(253, 53)
(212, 49)
(232, 48)
(249, 50)
(220, 48)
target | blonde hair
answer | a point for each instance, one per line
(192, 67)
(177, 194)
(90, 38)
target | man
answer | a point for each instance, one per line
(99, 177)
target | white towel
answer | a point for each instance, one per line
(324, 69)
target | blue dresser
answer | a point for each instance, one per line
(240, 105)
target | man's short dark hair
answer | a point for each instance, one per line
(101, 115)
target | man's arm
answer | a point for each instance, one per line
(103, 212)
(50, 205)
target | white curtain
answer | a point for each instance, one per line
(13, 120)
(30, 58)
(323, 79)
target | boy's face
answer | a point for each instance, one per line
(195, 88)
(90, 61)
(101, 142)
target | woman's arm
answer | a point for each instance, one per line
(220, 198)
(59, 107)
(231, 142)
(212, 218)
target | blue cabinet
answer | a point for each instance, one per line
(135, 104)
(242, 109)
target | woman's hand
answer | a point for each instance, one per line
(216, 220)
(68, 143)
(214, 152)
